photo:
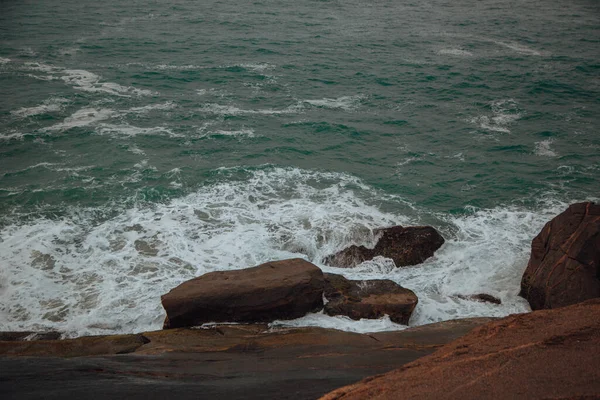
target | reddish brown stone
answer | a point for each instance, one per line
(564, 267)
(368, 299)
(284, 289)
(546, 354)
(405, 246)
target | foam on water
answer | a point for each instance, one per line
(85, 275)
(4, 60)
(345, 102)
(455, 52)
(90, 82)
(219, 109)
(543, 148)
(504, 113)
(130, 130)
(83, 117)
(519, 48)
(54, 104)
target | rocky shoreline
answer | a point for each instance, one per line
(520, 356)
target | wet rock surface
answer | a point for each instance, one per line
(546, 354)
(368, 299)
(223, 362)
(564, 267)
(405, 246)
(284, 289)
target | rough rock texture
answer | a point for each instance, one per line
(285, 289)
(368, 299)
(88, 346)
(564, 267)
(547, 354)
(406, 246)
(223, 362)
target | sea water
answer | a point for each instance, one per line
(145, 143)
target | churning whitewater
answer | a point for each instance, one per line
(148, 144)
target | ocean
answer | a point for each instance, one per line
(144, 143)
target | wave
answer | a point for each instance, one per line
(51, 105)
(543, 149)
(503, 114)
(82, 274)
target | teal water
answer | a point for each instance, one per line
(142, 144)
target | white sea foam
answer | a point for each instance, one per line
(345, 102)
(130, 130)
(235, 133)
(87, 276)
(543, 148)
(455, 52)
(90, 82)
(219, 109)
(519, 48)
(54, 104)
(4, 60)
(169, 105)
(83, 117)
(504, 113)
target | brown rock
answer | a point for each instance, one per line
(223, 362)
(83, 346)
(285, 289)
(14, 336)
(547, 354)
(564, 267)
(481, 297)
(406, 246)
(368, 299)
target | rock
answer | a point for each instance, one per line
(368, 299)
(546, 354)
(84, 346)
(405, 246)
(285, 289)
(222, 362)
(29, 335)
(145, 248)
(481, 297)
(564, 267)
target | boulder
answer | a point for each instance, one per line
(285, 289)
(546, 354)
(368, 299)
(405, 246)
(564, 267)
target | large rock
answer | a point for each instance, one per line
(564, 267)
(368, 299)
(285, 289)
(546, 354)
(222, 362)
(405, 246)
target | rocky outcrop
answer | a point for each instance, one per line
(405, 246)
(564, 267)
(222, 362)
(547, 354)
(285, 289)
(368, 299)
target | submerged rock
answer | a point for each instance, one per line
(368, 299)
(405, 246)
(481, 297)
(546, 354)
(284, 289)
(564, 267)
